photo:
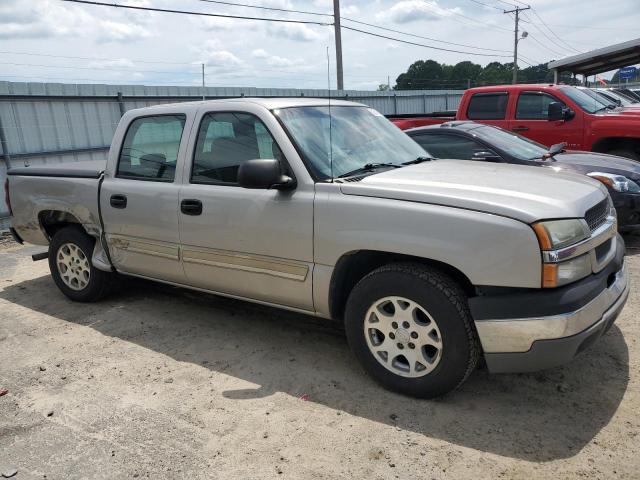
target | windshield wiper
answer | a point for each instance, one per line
(418, 160)
(368, 167)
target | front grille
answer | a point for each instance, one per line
(597, 215)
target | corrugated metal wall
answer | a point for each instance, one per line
(57, 123)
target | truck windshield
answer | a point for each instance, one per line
(358, 136)
(511, 143)
(584, 101)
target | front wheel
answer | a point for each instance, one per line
(411, 329)
(70, 253)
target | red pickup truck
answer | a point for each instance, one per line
(548, 114)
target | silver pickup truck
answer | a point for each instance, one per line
(330, 210)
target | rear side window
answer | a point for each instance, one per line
(534, 105)
(225, 141)
(150, 148)
(448, 146)
(488, 106)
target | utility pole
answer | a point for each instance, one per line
(517, 11)
(338, 33)
(203, 87)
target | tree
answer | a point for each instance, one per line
(384, 87)
(420, 75)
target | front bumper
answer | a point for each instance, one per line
(536, 342)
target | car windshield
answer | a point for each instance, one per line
(585, 102)
(618, 98)
(358, 136)
(510, 143)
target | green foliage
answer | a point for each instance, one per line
(429, 74)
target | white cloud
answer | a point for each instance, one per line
(293, 31)
(414, 10)
(259, 53)
(349, 10)
(43, 19)
(121, 32)
(222, 59)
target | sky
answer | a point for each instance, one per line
(57, 41)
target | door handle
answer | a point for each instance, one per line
(118, 201)
(191, 207)
(520, 128)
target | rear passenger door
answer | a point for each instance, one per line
(531, 120)
(256, 244)
(489, 108)
(139, 201)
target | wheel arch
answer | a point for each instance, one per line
(51, 221)
(353, 266)
(606, 144)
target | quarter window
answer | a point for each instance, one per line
(448, 146)
(225, 141)
(488, 106)
(534, 106)
(150, 148)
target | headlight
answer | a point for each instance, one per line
(556, 234)
(619, 183)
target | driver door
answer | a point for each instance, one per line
(532, 121)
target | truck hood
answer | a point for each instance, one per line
(516, 191)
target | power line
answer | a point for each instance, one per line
(548, 37)
(421, 36)
(437, 12)
(201, 14)
(92, 68)
(486, 5)
(420, 44)
(545, 46)
(273, 9)
(552, 32)
(92, 58)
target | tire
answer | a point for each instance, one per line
(630, 154)
(82, 282)
(445, 344)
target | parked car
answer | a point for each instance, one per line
(465, 140)
(630, 94)
(332, 211)
(614, 99)
(548, 114)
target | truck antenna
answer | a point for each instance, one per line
(330, 118)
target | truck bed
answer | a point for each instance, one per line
(71, 189)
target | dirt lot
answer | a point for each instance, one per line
(160, 382)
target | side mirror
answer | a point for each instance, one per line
(555, 111)
(486, 156)
(558, 111)
(264, 173)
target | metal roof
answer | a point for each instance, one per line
(600, 60)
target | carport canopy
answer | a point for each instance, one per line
(598, 61)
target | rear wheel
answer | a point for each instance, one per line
(411, 329)
(70, 253)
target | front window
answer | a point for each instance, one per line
(584, 101)
(511, 143)
(534, 106)
(358, 136)
(225, 141)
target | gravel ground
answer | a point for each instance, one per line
(159, 382)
